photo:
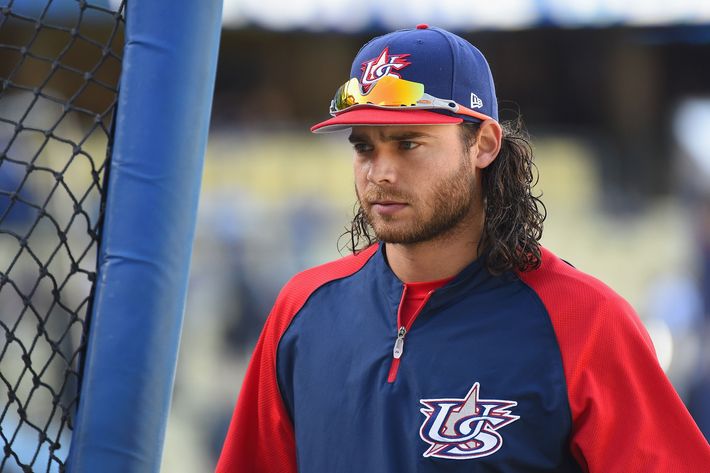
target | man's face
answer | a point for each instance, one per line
(415, 183)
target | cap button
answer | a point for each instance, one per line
(422, 26)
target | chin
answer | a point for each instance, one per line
(389, 236)
(396, 237)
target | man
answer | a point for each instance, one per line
(450, 341)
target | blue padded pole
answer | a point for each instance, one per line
(167, 83)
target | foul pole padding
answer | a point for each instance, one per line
(165, 97)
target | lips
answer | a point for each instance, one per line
(387, 207)
(387, 202)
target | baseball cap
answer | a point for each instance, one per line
(449, 74)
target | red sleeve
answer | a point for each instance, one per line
(261, 436)
(626, 416)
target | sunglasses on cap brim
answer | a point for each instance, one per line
(391, 92)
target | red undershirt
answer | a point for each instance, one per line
(414, 297)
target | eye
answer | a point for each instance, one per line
(407, 145)
(361, 148)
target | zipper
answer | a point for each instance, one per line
(399, 344)
(398, 349)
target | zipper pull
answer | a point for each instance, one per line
(399, 343)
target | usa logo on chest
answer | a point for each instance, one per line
(465, 428)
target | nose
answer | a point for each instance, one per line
(383, 168)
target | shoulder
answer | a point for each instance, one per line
(299, 288)
(576, 300)
(587, 316)
(585, 312)
(561, 284)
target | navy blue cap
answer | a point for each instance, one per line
(449, 67)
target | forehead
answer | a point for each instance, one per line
(401, 132)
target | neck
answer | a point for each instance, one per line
(438, 258)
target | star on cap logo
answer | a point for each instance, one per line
(383, 65)
(464, 428)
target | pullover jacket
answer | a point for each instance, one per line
(543, 371)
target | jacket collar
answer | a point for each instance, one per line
(470, 279)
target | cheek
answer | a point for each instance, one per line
(360, 171)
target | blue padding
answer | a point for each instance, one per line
(167, 84)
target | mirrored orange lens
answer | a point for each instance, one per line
(388, 92)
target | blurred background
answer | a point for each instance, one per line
(616, 96)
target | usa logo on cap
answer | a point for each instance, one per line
(383, 65)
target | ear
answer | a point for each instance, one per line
(488, 142)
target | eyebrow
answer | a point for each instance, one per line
(403, 136)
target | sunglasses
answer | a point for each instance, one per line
(391, 92)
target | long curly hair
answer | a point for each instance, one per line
(514, 216)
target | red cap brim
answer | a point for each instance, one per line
(378, 116)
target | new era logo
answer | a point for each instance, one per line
(476, 102)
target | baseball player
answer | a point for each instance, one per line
(450, 340)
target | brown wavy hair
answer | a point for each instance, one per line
(514, 216)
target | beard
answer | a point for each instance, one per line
(436, 213)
